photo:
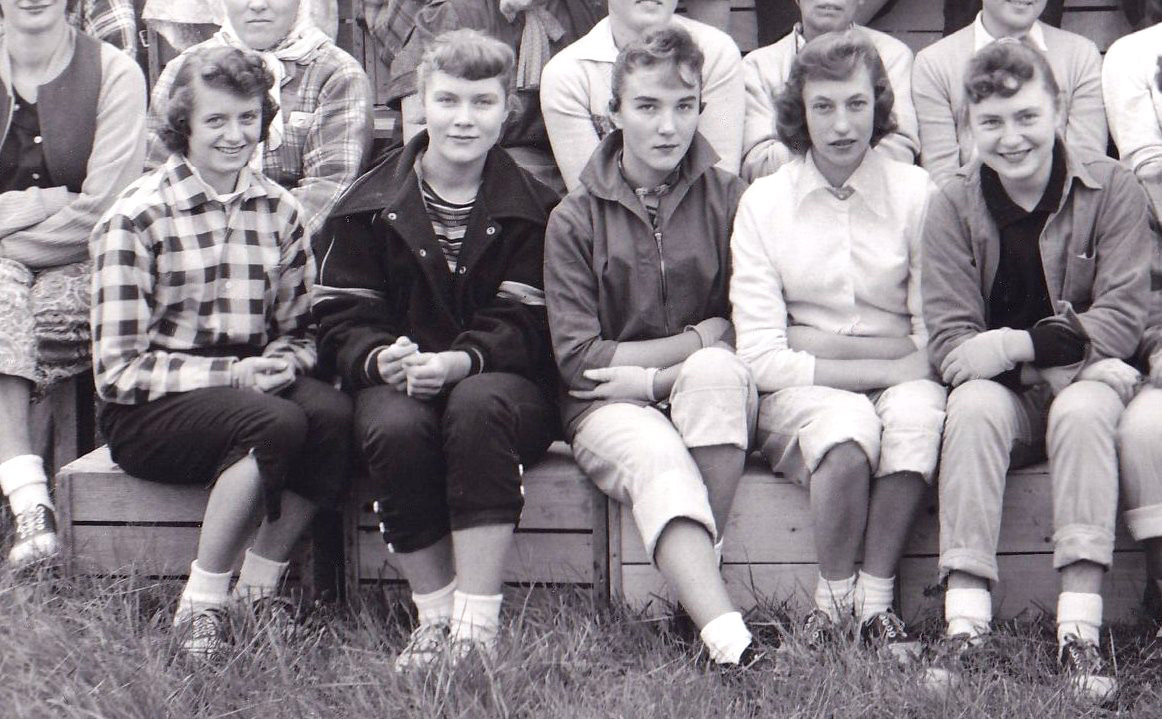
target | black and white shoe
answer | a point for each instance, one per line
(1088, 673)
(886, 631)
(820, 631)
(36, 537)
(204, 634)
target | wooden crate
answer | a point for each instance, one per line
(562, 537)
(111, 523)
(769, 552)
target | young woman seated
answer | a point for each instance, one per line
(1036, 284)
(432, 310)
(202, 344)
(659, 409)
(826, 297)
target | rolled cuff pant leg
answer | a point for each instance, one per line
(1140, 457)
(1083, 465)
(984, 422)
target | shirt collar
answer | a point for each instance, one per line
(1002, 208)
(981, 36)
(801, 39)
(190, 190)
(598, 44)
(867, 181)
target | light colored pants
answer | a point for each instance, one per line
(641, 458)
(897, 428)
(991, 428)
(1140, 453)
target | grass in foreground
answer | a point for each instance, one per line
(93, 647)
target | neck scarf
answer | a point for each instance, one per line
(541, 30)
(302, 40)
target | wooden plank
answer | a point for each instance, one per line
(536, 557)
(557, 495)
(160, 550)
(1028, 582)
(644, 588)
(108, 497)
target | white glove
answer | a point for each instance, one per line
(986, 355)
(622, 382)
(1121, 377)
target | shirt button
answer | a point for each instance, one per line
(490, 231)
(229, 284)
(38, 139)
(391, 216)
(423, 253)
(36, 175)
(463, 269)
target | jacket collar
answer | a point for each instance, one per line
(1076, 170)
(504, 189)
(602, 175)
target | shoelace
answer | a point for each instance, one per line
(32, 522)
(1083, 656)
(889, 627)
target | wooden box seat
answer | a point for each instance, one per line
(112, 523)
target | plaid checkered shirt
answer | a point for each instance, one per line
(326, 105)
(113, 21)
(183, 274)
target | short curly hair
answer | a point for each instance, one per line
(833, 56)
(470, 55)
(1002, 68)
(666, 44)
(224, 68)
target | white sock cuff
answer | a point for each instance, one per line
(726, 637)
(975, 605)
(206, 588)
(435, 607)
(259, 576)
(21, 471)
(870, 581)
(1083, 607)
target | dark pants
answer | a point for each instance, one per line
(300, 438)
(453, 462)
(961, 13)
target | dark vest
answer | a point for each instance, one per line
(67, 108)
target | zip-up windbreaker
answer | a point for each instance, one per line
(383, 274)
(609, 277)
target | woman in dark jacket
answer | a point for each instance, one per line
(431, 309)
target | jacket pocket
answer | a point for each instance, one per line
(1077, 288)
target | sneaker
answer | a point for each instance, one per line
(820, 631)
(459, 650)
(426, 645)
(205, 633)
(948, 658)
(276, 618)
(1088, 674)
(886, 631)
(35, 536)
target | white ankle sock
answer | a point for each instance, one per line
(968, 611)
(1079, 613)
(203, 590)
(726, 637)
(873, 595)
(435, 607)
(23, 481)
(475, 617)
(259, 577)
(835, 597)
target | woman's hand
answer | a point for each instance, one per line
(624, 382)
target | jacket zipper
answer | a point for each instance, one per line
(662, 272)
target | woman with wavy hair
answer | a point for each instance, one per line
(826, 297)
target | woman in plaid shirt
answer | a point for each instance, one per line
(202, 344)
